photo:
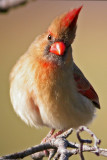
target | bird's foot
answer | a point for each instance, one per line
(51, 135)
(51, 132)
(57, 134)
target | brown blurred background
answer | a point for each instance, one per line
(18, 28)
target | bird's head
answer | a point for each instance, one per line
(56, 42)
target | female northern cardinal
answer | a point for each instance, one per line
(47, 88)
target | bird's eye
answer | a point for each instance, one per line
(49, 37)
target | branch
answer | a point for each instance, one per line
(57, 148)
(5, 5)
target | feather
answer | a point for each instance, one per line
(84, 87)
(70, 18)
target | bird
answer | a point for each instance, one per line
(47, 88)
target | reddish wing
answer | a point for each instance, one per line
(84, 87)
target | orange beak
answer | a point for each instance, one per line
(58, 48)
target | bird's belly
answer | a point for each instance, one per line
(63, 111)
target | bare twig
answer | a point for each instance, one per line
(82, 141)
(57, 148)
